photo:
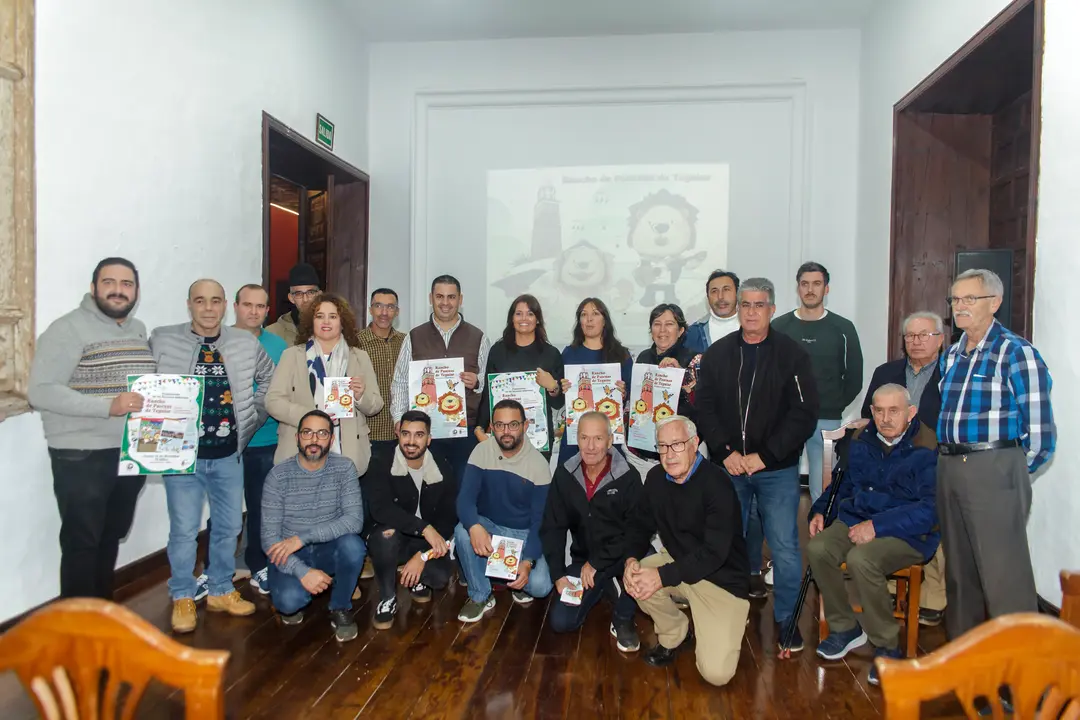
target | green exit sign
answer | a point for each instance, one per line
(324, 132)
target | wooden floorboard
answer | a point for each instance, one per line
(509, 665)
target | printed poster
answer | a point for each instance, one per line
(435, 387)
(163, 437)
(522, 386)
(505, 557)
(592, 387)
(572, 594)
(654, 395)
(339, 402)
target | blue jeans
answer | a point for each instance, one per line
(258, 462)
(755, 537)
(474, 566)
(815, 453)
(777, 494)
(222, 481)
(342, 559)
(568, 618)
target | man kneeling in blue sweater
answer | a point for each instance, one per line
(886, 520)
(503, 493)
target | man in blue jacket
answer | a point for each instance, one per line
(885, 519)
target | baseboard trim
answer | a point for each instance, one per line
(131, 579)
(1048, 608)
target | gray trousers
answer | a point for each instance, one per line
(983, 501)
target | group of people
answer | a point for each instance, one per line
(946, 438)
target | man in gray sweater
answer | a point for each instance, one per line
(78, 382)
(237, 373)
(311, 516)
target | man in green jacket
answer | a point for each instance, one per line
(833, 346)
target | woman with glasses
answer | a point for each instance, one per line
(594, 343)
(923, 334)
(328, 347)
(524, 347)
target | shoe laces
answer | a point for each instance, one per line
(262, 576)
(386, 605)
(419, 587)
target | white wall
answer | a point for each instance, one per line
(902, 44)
(149, 122)
(556, 87)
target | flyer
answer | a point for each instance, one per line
(503, 561)
(654, 394)
(593, 387)
(339, 401)
(435, 387)
(572, 595)
(163, 437)
(522, 386)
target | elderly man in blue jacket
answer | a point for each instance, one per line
(885, 519)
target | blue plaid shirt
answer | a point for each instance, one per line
(998, 391)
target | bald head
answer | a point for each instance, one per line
(205, 287)
(594, 439)
(892, 410)
(206, 303)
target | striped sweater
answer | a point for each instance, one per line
(82, 361)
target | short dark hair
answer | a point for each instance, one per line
(508, 404)
(318, 414)
(680, 318)
(115, 261)
(717, 274)
(251, 286)
(383, 291)
(417, 416)
(812, 267)
(446, 280)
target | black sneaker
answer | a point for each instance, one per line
(796, 638)
(930, 618)
(661, 656)
(522, 598)
(757, 587)
(420, 593)
(894, 653)
(384, 614)
(344, 625)
(626, 637)
(295, 619)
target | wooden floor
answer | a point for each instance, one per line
(509, 665)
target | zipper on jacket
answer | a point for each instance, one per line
(745, 413)
(799, 387)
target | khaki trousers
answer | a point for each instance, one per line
(719, 622)
(932, 591)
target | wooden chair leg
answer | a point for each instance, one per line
(823, 625)
(912, 618)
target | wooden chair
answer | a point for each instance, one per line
(1070, 597)
(87, 658)
(908, 580)
(1036, 656)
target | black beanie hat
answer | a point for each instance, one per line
(303, 274)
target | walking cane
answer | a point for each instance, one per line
(789, 631)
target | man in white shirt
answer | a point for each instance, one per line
(723, 317)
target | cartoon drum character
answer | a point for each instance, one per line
(422, 400)
(608, 407)
(510, 562)
(580, 404)
(345, 401)
(662, 411)
(450, 404)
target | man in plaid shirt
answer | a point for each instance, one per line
(382, 342)
(996, 427)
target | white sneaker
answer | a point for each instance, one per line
(768, 575)
(261, 582)
(202, 587)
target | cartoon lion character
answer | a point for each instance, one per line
(662, 411)
(579, 404)
(423, 400)
(663, 231)
(608, 407)
(641, 407)
(584, 269)
(450, 404)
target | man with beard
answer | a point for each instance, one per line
(303, 287)
(835, 355)
(312, 513)
(78, 382)
(721, 290)
(504, 493)
(411, 497)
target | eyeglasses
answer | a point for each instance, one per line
(923, 336)
(308, 433)
(675, 447)
(512, 425)
(305, 293)
(384, 306)
(967, 299)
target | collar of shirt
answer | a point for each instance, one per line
(693, 468)
(928, 366)
(592, 482)
(991, 333)
(446, 333)
(887, 442)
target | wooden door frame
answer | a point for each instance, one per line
(999, 20)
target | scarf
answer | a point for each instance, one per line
(319, 370)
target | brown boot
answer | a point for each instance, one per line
(184, 617)
(231, 603)
(368, 570)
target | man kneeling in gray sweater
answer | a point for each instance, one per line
(312, 513)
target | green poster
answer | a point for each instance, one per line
(522, 386)
(163, 437)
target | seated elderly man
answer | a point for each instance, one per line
(885, 520)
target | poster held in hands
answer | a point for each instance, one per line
(436, 388)
(163, 437)
(654, 395)
(572, 594)
(505, 558)
(340, 402)
(593, 387)
(522, 386)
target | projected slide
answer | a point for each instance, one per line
(633, 235)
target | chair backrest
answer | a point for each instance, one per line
(828, 456)
(1036, 656)
(88, 659)
(1070, 597)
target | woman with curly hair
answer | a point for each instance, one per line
(327, 347)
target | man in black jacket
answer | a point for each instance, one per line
(757, 404)
(693, 506)
(412, 497)
(593, 496)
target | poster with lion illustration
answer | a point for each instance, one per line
(633, 235)
(654, 395)
(594, 387)
(435, 387)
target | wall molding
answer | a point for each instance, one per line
(428, 102)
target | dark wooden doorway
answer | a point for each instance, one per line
(331, 205)
(965, 170)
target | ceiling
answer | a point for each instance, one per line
(426, 20)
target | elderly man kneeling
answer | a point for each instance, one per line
(885, 520)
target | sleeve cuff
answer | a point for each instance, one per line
(669, 575)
